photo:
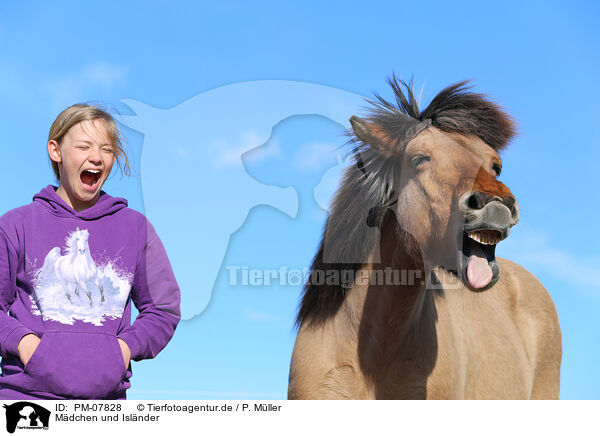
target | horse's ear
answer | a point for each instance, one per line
(385, 141)
(372, 134)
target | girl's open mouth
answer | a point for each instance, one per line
(89, 179)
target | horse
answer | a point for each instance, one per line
(405, 298)
(75, 270)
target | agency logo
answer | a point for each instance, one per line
(26, 415)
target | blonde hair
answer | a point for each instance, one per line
(79, 112)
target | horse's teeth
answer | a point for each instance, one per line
(485, 238)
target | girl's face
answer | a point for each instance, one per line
(85, 158)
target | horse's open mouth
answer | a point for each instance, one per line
(477, 264)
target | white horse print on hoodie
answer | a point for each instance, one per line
(73, 287)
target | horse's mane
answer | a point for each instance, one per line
(367, 188)
(71, 239)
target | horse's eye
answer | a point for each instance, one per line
(418, 160)
(497, 168)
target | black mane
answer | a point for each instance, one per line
(366, 191)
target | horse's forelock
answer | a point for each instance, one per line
(454, 109)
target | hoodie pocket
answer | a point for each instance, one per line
(76, 365)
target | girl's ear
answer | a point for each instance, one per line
(54, 151)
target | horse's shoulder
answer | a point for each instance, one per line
(324, 362)
(535, 316)
(526, 292)
(519, 281)
(518, 273)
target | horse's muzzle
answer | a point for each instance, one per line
(485, 212)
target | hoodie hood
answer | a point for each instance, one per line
(50, 200)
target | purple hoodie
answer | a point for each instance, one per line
(70, 277)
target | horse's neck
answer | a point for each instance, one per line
(75, 256)
(391, 311)
(82, 259)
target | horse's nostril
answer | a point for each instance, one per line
(477, 200)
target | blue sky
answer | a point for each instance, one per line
(159, 65)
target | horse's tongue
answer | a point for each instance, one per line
(479, 272)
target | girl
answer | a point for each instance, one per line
(71, 262)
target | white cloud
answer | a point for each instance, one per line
(249, 146)
(259, 316)
(315, 155)
(73, 87)
(102, 74)
(181, 151)
(260, 154)
(564, 265)
(532, 248)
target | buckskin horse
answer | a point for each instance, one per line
(429, 312)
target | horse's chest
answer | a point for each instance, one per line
(480, 353)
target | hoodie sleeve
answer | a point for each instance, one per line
(156, 295)
(11, 329)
